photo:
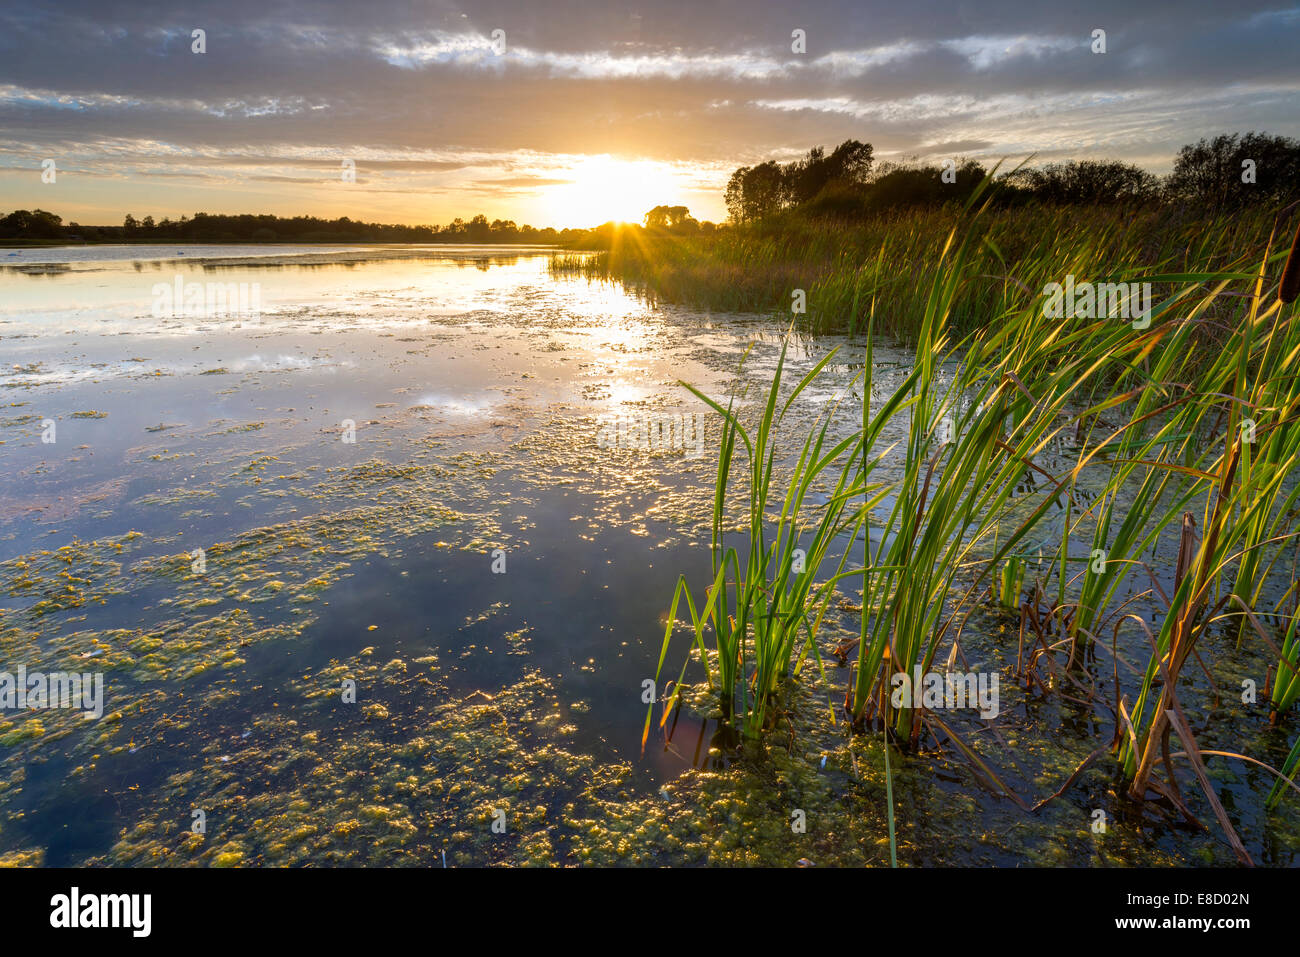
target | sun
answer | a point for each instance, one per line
(603, 188)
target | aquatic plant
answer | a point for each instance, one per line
(1289, 768)
(1286, 684)
(891, 259)
(764, 614)
(961, 468)
(1239, 505)
(1190, 408)
(1011, 582)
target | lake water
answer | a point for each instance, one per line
(366, 585)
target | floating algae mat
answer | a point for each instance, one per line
(379, 577)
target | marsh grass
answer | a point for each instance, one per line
(1180, 498)
(765, 603)
(888, 264)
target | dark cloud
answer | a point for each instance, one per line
(413, 91)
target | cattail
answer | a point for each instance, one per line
(1289, 288)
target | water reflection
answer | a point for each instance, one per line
(474, 384)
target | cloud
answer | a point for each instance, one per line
(528, 182)
(421, 100)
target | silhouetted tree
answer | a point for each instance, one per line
(31, 224)
(1087, 182)
(1214, 172)
(900, 186)
(478, 230)
(754, 192)
(846, 168)
(757, 191)
(670, 217)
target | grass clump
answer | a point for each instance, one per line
(1177, 493)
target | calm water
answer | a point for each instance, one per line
(365, 587)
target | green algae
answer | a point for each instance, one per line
(18, 421)
(34, 857)
(413, 769)
(70, 576)
(410, 772)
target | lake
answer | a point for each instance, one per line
(376, 573)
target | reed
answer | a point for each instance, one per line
(1289, 768)
(1240, 492)
(1161, 455)
(891, 258)
(1011, 583)
(765, 603)
(1286, 684)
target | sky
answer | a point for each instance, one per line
(577, 112)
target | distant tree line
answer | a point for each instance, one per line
(31, 224)
(1228, 172)
(249, 228)
(675, 219)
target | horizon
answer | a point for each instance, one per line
(598, 114)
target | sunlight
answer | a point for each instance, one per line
(604, 188)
